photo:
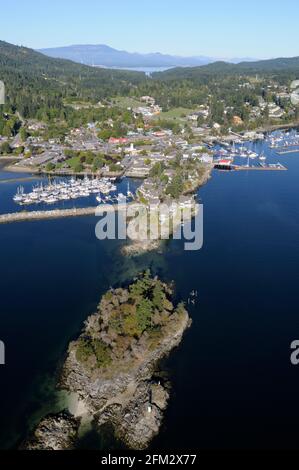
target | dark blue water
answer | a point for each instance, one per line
(233, 384)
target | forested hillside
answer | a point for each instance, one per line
(37, 85)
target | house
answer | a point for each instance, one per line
(36, 126)
(275, 111)
(148, 100)
(159, 134)
(119, 140)
(193, 117)
(186, 201)
(206, 158)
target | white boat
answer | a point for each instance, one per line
(27, 201)
(262, 157)
(34, 196)
(51, 200)
(19, 196)
(121, 197)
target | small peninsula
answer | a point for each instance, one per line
(112, 367)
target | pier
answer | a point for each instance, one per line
(261, 167)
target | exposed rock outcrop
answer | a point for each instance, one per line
(112, 366)
(54, 432)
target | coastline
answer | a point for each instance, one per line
(38, 171)
(275, 127)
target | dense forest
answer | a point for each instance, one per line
(37, 86)
(41, 87)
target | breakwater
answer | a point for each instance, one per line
(27, 216)
(40, 215)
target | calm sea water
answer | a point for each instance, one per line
(146, 70)
(233, 384)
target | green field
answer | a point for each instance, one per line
(72, 162)
(176, 113)
(127, 102)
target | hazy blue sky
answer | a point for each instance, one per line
(219, 28)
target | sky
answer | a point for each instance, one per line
(219, 28)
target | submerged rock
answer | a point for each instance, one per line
(54, 432)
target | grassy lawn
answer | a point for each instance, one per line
(175, 113)
(127, 102)
(72, 162)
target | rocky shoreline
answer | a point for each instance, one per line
(112, 367)
(54, 432)
(138, 247)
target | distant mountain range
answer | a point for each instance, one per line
(105, 56)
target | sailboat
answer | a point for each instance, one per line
(233, 152)
(262, 157)
(20, 194)
(129, 193)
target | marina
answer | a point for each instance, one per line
(65, 190)
(284, 142)
(230, 156)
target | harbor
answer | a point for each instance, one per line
(65, 190)
(230, 156)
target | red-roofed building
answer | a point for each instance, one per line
(223, 164)
(159, 134)
(120, 140)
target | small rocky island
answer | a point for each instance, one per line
(112, 366)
